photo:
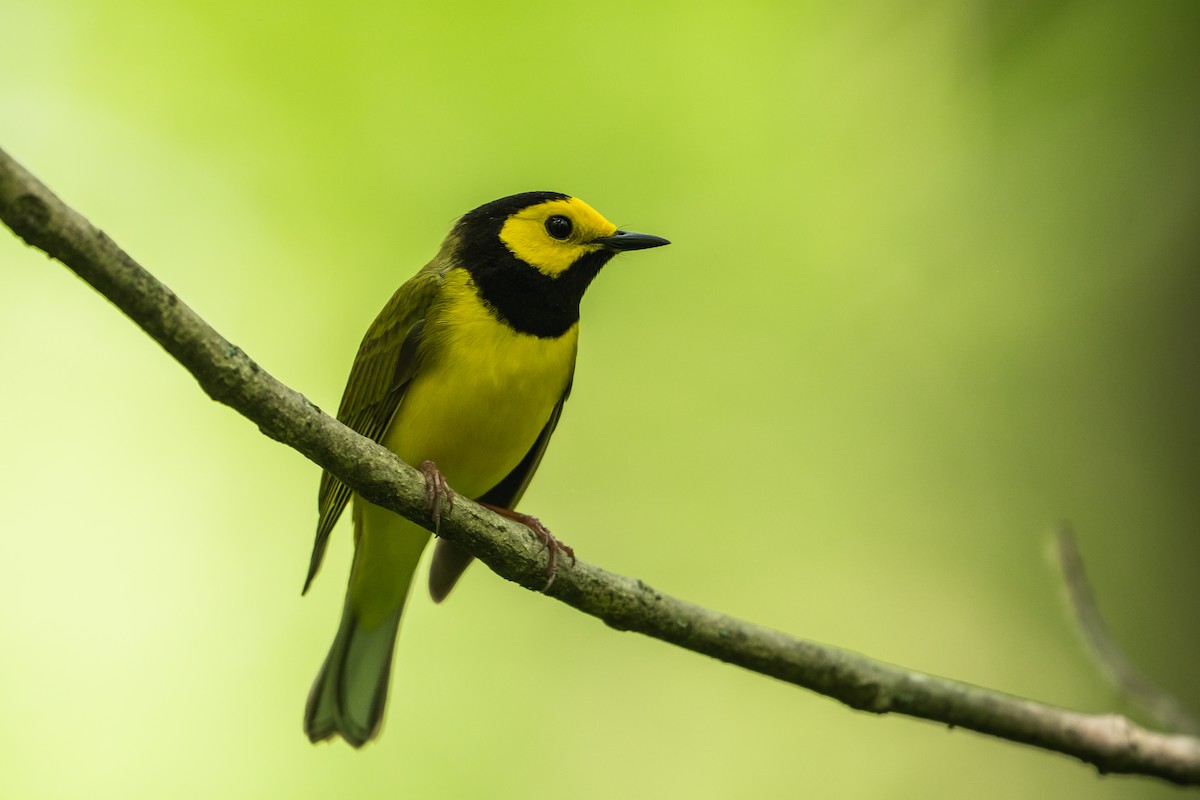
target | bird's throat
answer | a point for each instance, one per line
(530, 301)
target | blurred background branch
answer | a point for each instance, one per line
(1110, 742)
(1159, 703)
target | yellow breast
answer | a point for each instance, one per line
(482, 394)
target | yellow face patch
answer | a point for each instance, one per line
(528, 237)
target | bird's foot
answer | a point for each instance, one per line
(553, 545)
(438, 491)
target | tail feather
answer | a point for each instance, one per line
(350, 692)
(449, 563)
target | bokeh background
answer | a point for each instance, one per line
(934, 286)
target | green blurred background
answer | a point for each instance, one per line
(934, 285)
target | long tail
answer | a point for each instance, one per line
(350, 692)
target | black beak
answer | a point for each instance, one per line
(628, 240)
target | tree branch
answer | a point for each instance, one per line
(1111, 743)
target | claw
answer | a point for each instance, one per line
(553, 545)
(438, 492)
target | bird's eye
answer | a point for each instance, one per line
(558, 226)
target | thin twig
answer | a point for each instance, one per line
(1159, 703)
(1111, 743)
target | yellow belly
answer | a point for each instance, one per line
(482, 394)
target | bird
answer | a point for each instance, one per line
(463, 374)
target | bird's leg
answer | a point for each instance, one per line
(438, 492)
(544, 536)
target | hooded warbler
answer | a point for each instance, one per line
(464, 372)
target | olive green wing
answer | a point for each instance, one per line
(386, 362)
(450, 561)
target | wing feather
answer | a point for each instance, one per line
(386, 362)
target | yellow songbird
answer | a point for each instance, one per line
(463, 373)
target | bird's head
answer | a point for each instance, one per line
(533, 255)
